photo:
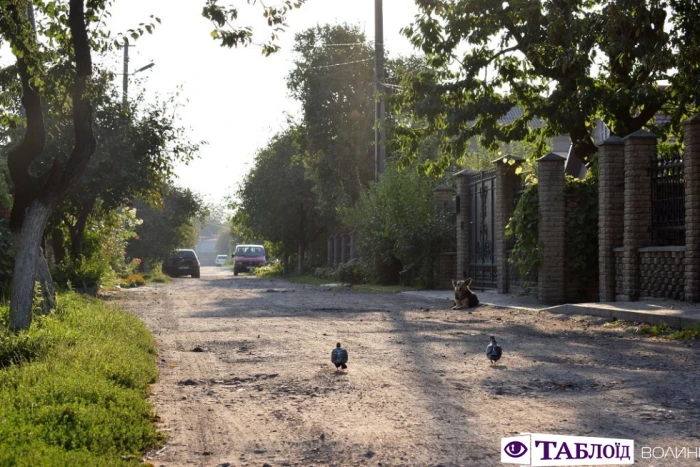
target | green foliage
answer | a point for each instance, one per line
(157, 276)
(336, 137)
(655, 330)
(73, 387)
(353, 272)
(686, 333)
(167, 226)
(582, 230)
(85, 272)
(270, 270)
(523, 228)
(562, 64)
(106, 236)
(7, 255)
(396, 225)
(276, 200)
(132, 280)
(231, 35)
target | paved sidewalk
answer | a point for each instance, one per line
(674, 313)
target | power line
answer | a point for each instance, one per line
(338, 64)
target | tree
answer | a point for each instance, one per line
(565, 62)
(138, 149)
(276, 199)
(171, 225)
(333, 80)
(36, 195)
(54, 63)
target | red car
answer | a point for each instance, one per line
(248, 257)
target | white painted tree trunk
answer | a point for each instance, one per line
(25, 270)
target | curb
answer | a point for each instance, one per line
(675, 321)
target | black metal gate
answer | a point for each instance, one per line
(481, 266)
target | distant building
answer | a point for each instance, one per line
(206, 250)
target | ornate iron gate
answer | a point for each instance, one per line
(481, 266)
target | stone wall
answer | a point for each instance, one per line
(662, 272)
(617, 272)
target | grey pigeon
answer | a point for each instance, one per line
(493, 351)
(339, 357)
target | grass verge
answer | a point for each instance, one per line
(73, 387)
(156, 276)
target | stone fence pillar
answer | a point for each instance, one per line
(611, 211)
(507, 182)
(691, 173)
(640, 149)
(552, 229)
(442, 197)
(463, 221)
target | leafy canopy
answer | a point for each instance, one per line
(563, 62)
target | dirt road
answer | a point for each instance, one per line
(246, 378)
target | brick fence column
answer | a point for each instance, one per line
(611, 211)
(442, 197)
(507, 182)
(552, 229)
(463, 220)
(691, 173)
(640, 148)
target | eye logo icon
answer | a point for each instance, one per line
(515, 449)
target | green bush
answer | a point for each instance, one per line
(132, 280)
(86, 271)
(270, 270)
(523, 228)
(73, 387)
(157, 275)
(396, 226)
(328, 272)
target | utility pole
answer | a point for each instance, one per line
(379, 130)
(125, 82)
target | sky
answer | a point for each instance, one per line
(234, 99)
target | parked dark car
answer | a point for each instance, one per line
(182, 263)
(248, 257)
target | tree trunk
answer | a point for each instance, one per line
(48, 291)
(77, 231)
(25, 269)
(285, 261)
(300, 258)
(59, 251)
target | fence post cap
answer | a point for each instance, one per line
(465, 173)
(691, 120)
(552, 157)
(641, 134)
(612, 140)
(507, 158)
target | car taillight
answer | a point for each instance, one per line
(195, 262)
(169, 263)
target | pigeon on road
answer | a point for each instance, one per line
(493, 351)
(339, 357)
